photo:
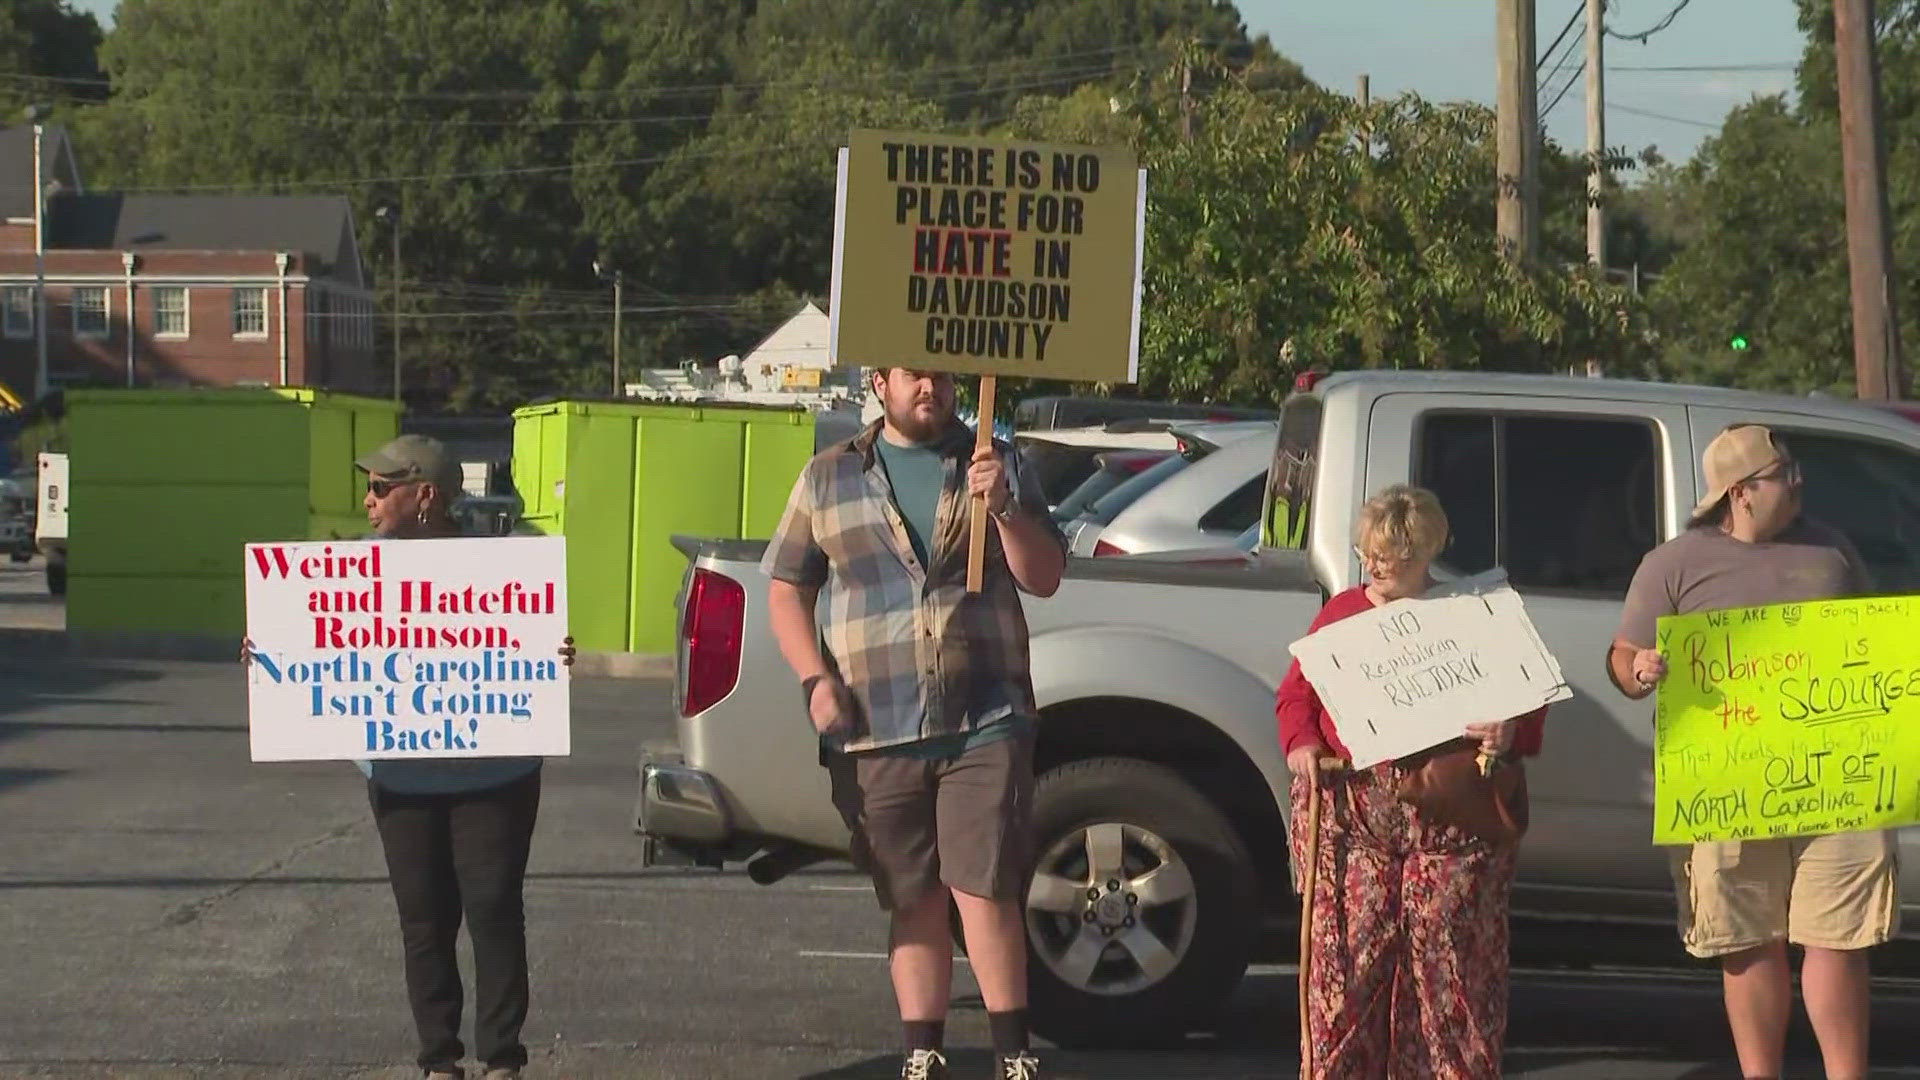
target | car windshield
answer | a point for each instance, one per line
(1108, 506)
(1114, 470)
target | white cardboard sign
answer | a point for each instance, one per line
(407, 649)
(1410, 675)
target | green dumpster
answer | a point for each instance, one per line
(619, 480)
(171, 484)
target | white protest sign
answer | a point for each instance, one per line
(407, 649)
(1410, 675)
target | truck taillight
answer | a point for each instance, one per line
(711, 626)
(1103, 548)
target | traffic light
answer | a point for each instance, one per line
(1739, 343)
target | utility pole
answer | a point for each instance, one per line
(605, 271)
(390, 213)
(1518, 130)
(37, 115)
(1186, 95)
(1366, 102)
(1596, 135)
(1876, 334)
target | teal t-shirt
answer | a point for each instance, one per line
(916, 474)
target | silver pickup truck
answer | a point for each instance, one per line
(1158, 757)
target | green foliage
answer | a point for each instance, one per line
(47, 55)
(1757, 225)
(690, 143)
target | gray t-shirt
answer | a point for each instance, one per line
(1704, 569)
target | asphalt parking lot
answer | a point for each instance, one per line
(169, 909)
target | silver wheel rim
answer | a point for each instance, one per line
(1111, 909)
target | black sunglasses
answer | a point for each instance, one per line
(382, 488)
(1787, 471)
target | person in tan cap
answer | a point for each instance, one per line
(1742, 902)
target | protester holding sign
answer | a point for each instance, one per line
(922, 695)
(1407, 965)
(1743, 901)
(456, 830)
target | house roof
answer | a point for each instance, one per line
(16, 166)
(801, 341)
(317, 225)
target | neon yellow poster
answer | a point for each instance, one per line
(1790, 720)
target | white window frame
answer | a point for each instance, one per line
(234, 306)
(106, 311)
(16, 329)
(186, 313)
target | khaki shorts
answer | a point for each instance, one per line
(964, 822)
(1829, 892)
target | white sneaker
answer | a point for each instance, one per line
(924, 1065)
(1020, 1066)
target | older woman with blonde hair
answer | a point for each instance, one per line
(1407, 970)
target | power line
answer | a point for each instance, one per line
(1651, 115)
(950, 73)
(1565, 55)
(1579, 8)
(1643, 35)
(1566, 86)
(1778, 66)
(1054, 78)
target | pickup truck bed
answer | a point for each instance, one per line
(1160, 770)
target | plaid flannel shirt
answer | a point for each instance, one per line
(922, 656)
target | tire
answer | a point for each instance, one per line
(57, 574)
(1199, 931)
(20, 556)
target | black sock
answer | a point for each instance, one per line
(1009, 1031)
(925, 1034)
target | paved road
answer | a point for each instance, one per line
(168, 909)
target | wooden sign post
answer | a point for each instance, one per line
(983, 256)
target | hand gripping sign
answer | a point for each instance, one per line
(983, 256)
(1788, 720)
(1409, 675)
(407, 649)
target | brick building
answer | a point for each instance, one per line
(178, 290)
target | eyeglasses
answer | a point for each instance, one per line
(1383, 560)
(1787, 472)
(382, 488)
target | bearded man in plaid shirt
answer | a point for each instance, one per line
(922, 695)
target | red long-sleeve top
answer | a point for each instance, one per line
(1304, 721)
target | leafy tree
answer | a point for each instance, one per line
(48, 53)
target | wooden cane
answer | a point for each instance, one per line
(1308, 878)
(1309, 881)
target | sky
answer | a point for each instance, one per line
(1443, 51)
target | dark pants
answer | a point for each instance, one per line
(448, 855)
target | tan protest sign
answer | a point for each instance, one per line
(982, 256)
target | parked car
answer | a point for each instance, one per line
(16, 516)
(1055, 411)
(1062, 459)
(1111, 469)
(1210, 504)
(50, 518)
(1158, 764)
(1198, 443)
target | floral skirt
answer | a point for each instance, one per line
(1409, 951)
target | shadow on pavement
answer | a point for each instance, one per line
(32, 682)
(1589, 1025)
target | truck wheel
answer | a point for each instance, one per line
(1142, 908)
(57, 574)
(20, 556)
